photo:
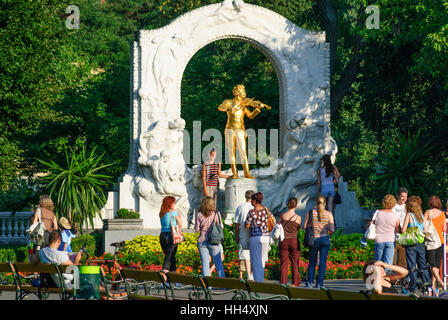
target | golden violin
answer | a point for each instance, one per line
(254, 103)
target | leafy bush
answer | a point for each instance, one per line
(127, 214)
(14, 254)
(79, 241)
(402, 164)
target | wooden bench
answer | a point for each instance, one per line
(196, 285)
(134, 278)
(24, 289)
(345, 295)
(275, 289)
(376, 296)
(237, 286)
(295, 293)
(6, 268)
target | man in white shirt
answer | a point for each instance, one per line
(400, 210)
(51, 254)
(243, 236)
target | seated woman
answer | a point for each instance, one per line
(376, 278)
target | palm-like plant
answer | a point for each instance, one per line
(402, 162)
(78, 185)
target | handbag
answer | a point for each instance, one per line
(177, 234)
(412, 236)
(37, 230)
(308, 240)
(337, 198)
(432, 240)
(271, 220)
(370, 232)
(215, 233)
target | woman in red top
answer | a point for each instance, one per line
(434, 256)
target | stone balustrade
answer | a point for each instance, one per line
(13, 228)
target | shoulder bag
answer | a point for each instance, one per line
(177, 234)
(216, 233)
(37, 230)
(308, 240)
(271, 222)
(432, 240)
(412, 236)
(370, 232)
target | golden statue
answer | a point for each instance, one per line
(235, 133)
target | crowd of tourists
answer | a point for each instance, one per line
(256, 230)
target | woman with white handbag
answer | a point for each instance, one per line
(386, 224)
(434, 227)
(45, 215)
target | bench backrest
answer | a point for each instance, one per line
(345, 295)
(38, 268)
(266, 287)
(141, 275)
(185, 279)
(5, 267)
(376, 296)
(307, 293)
(228, 283)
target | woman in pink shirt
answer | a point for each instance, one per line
(386, 224)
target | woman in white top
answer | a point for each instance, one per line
(386, 224)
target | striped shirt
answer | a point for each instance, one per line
(322, 227)
(211, 174)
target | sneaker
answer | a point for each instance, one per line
(363, 242)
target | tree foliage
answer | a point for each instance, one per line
(59, 85)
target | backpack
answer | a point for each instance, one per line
(215, 233)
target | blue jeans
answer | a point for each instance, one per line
(321, 246)
(384, 251)
(206, 250)
(327, 191)
(415, 257)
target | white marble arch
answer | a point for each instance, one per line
(301, 61)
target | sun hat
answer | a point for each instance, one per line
(64, 222)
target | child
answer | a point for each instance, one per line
(66, 235)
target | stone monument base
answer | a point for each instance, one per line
(235, 189)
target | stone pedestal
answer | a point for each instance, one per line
(122, 224)
(235, 189)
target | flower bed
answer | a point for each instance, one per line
(346, 258)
